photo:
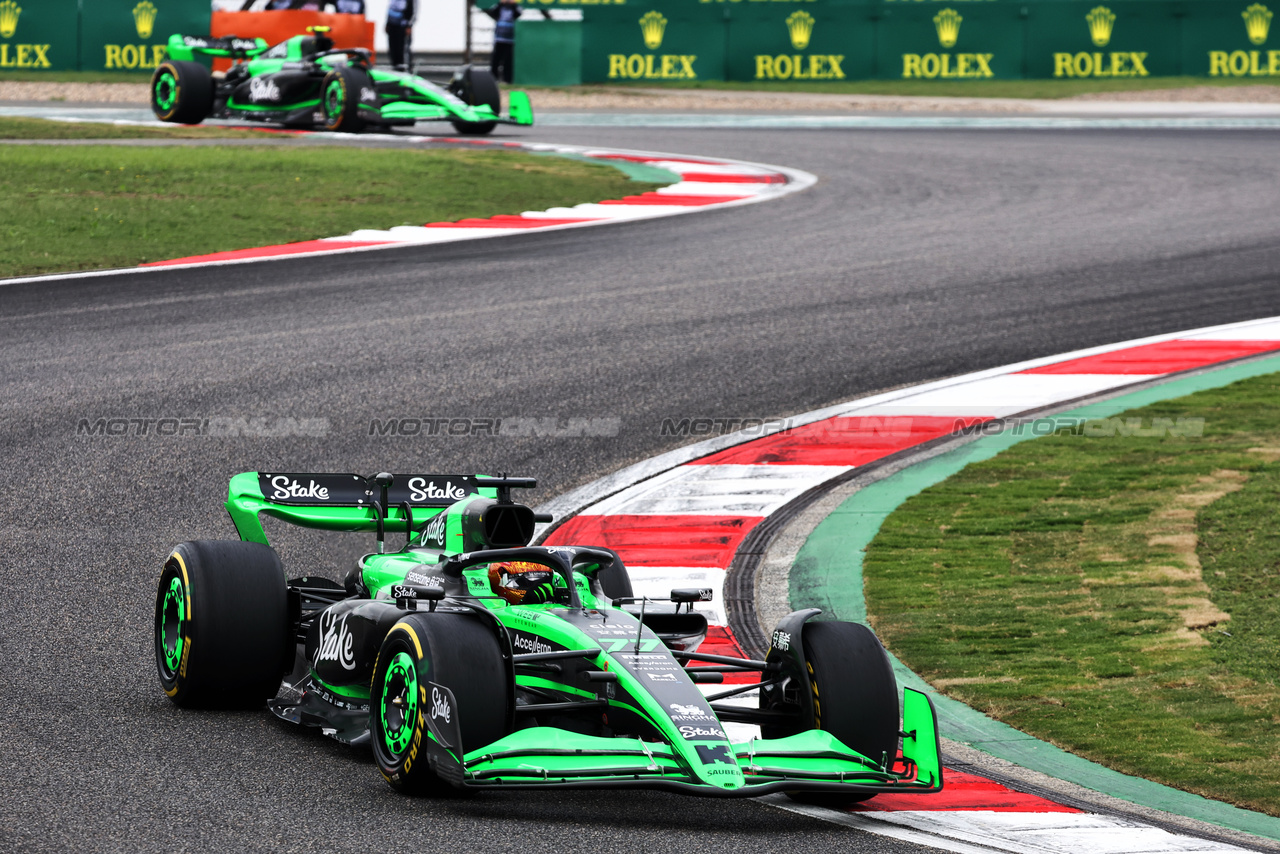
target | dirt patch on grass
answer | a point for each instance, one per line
(1172, 530)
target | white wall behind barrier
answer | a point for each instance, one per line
(441, 25)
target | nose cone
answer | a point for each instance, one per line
(718, 767)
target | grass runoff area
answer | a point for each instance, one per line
(82, 207)
(1046, 89)
(20, 128)
(1113, 593)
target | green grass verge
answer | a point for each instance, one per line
(1116, 595)
(66, 208)
(953, 88)
(22, 128)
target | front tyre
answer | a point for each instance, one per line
(855, 695)
(340, 100)
(457, 651)
(222, 631)
(181, 92)
(476, 87)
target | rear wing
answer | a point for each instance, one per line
(347, 502)
(186, 47)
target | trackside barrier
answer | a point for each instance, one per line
(93, 35)
(130, 35)
(276, 26)
(822, 40)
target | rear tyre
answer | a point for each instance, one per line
(476, 87)
(855, 695)
(457, 651)
(222, 625)
(181, 92)
(340, 100)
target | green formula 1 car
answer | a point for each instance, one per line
(305, 82)
(468, 659)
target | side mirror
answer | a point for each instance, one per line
(689, 595)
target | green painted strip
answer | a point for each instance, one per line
(634, 171)
(828, 574)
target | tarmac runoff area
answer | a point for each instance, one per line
(779, 521)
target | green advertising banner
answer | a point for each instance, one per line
(550, 53)
(38, 35)
(130, 35)
(1240, 43)
(961, 41)
(624, 43)
(791, 42)
(759, 40)
(1087, 39)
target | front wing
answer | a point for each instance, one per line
(520, 112)
(810, 761)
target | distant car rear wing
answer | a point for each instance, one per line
(351, 502)
(186, 47)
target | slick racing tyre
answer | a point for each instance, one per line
(222, 631)
(457, 651)
(476, 86)
(340, 99)
(181, 92)
(855, 695)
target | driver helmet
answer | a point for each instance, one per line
(522, 582)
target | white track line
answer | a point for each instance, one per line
(985, 832)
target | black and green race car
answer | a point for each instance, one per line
(304, 82)
(468, 659)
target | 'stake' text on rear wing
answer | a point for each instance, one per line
(186, 47)
(346, 502)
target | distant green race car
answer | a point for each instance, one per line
(305, 82)
(468, 659)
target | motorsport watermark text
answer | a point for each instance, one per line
(262, 427)
(869, 426)
(724, 426)
(1092, 428)
(511, 426)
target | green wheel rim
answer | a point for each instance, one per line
(335, 98)
(398, 707)
(166, 91)
(172, 623)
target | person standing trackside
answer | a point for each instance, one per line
(400, 14)
(502, 60)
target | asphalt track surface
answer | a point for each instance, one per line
(918, 255)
